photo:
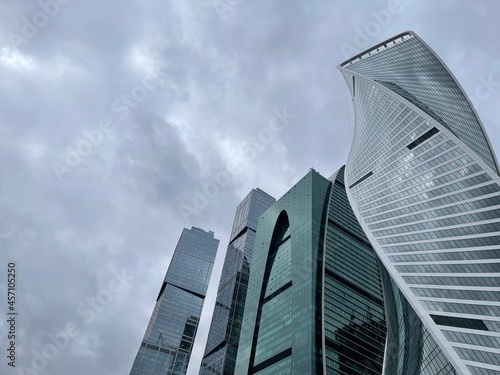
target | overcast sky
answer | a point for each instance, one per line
(123, 121)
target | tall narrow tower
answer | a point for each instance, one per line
(224, 335)
(423, 182)
(168, 341)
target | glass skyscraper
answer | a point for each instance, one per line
(168, 341)
(423, 182)
(315, 302)
(222, 342)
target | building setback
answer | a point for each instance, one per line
(314, 302)
(423, 182)
(222, 342)
(168, 341)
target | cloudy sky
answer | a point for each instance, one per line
(123, 121)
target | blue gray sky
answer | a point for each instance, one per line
(124, 121)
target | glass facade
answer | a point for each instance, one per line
(224, 334)
(168, 341)
(315, 301)
(422, 180)
(354, 314)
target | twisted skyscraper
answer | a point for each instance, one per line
(423, 182)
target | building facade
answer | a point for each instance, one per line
(423, 182)
(168, 341)
(224, 334)
(314, 302)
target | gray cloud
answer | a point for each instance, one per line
(219, 81)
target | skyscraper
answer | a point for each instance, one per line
(314, 302)
(222, 342)
(423, 182)
(168, 341)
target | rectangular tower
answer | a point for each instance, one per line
(222, 343)
(314, 302)
(168, 341)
